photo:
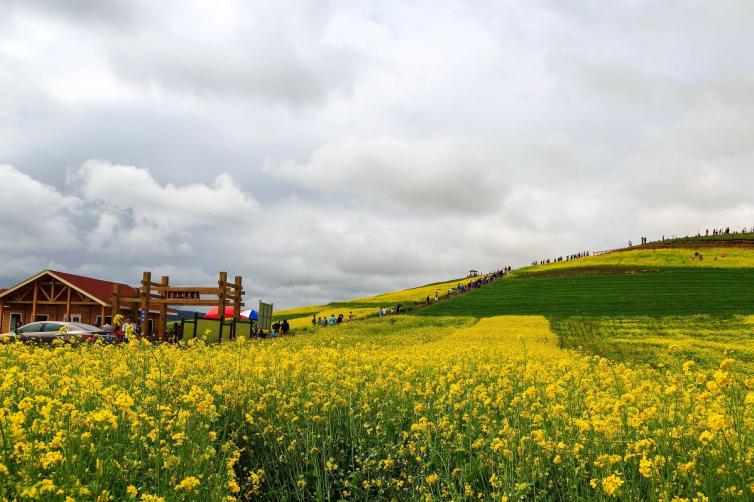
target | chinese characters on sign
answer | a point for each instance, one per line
(186, 294)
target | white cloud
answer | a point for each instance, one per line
(436, 175)
(407, 142)
(169, 208)
(35, 214)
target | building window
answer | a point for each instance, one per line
(41, 318)
(108, 320)
(16, 321)
(75, 317)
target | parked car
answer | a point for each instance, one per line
(48, 331)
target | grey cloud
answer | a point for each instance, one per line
(108, 12)
(266, 51)
(405, 143)
(434, 175)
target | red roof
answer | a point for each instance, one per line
(97, 288)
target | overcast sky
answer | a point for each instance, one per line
(325, 150)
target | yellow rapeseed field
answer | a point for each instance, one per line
(358, 313)
(387, 300)
(398, 408)
(675, 257)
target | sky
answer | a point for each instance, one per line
(327, 150)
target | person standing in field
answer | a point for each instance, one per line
(332, 319)
(350, 316)
(314, 319)
(285, 327)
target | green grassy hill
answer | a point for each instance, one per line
(656, 293)
(687, 280)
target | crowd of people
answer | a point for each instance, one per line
(280, 328)
(324, 321)
(715, 232)
(476, 281)
(572, 256)
(727, 231)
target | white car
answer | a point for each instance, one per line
(48, 331)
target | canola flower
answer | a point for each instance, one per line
(678, 343)
(402, 408)
(723, 257)
(369, 305)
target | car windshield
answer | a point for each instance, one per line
(52, 327)
(84, 327)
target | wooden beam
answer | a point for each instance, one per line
(34, 303)
(68, 306)
(237, 299)
(44, 302)
(116, 302)
(221, 282)
(236, 303)
(200, 290)
(197, 303)
(164, 281)
(44, 293)
(146, 284)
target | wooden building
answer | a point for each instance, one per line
(59, 296)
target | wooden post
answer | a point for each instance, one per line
(183, 325)
(135, 305)
(115, 307)
(164, 281)
(221, 283)
(146, 284)
(34, 302)
(196, 322)
(2, 318)
(102, 316)
(68, 305)
(237, 301)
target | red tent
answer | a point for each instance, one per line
(212, 313)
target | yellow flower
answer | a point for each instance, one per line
(132, 490)
(726, 363)
(706, 436)
(716, 421)
(233, 486)
(50, 458)
(151, 498)
(611, 484)
(189, 484)
(432, 479)
(645, 467)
